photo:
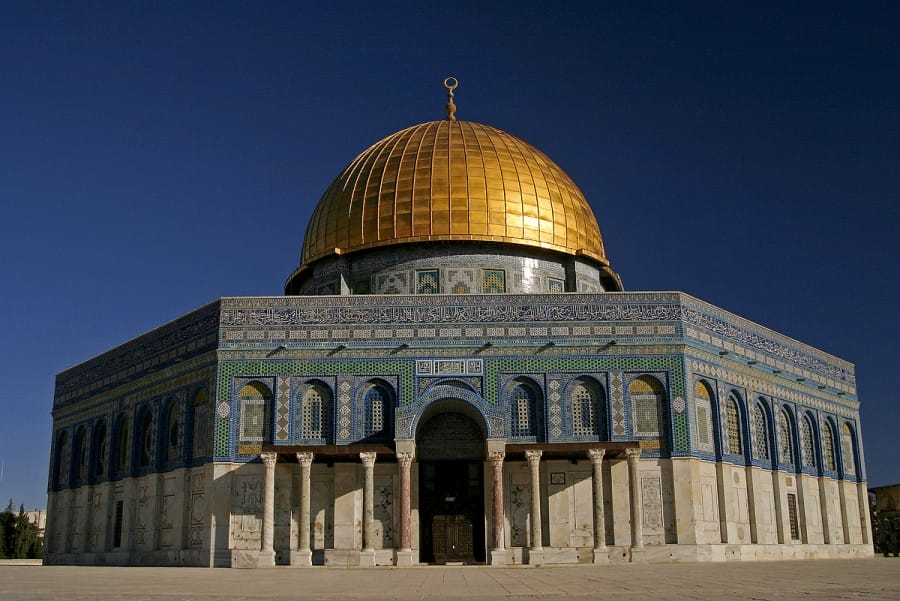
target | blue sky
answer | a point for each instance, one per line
(156, 156)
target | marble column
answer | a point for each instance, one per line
(367, 555)
(267, 551)
(536, 551)
(498, 552)
(303, 556)
(601, 553)
(634, 487)
(404, 554)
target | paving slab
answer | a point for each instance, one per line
(872, 579)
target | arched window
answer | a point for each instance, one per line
(81, 456)
(733, 428)
(63, 459)
(760, 432)
(201, 424)
(100, 450)
(785, 440)
(172, 431)
(703, 403)
(647, 396)
(121, 444)
(847, 451)
(522, 400)
(377, 405)
(315, 414)
(145, 450)
(828, 447)
(807, 443)
(588, 403)
(255, 400)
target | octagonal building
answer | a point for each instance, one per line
(455, 374)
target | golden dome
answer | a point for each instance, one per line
(452, 180)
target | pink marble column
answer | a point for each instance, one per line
(496, 458)
(405, 462)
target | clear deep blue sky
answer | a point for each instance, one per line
(156, 156)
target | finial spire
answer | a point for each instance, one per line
(450, 84)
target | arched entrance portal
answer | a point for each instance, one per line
(450, 452)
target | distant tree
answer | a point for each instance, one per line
(18, 535)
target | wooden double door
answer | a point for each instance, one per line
(451, 496)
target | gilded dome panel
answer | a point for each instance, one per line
(452, 180)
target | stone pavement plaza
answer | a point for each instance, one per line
(877, 578)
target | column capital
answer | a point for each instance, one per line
(270, 459)
(305, 459)
(596, 455)
(496, 457)
(632, 454)
(405, 459)
(533, 456)
(368, 459)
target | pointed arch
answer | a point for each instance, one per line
(121, 438)
(848, 450)
(734, 426)
(144, 441)
(761, 430)
(80, 456)
(63, 460)
(785, 437)
(525, 403)
(99, 451)
(809, 458)
(703, 407)
(200, 433)
(647, 396)
(377, 400)
(829, 460)
(255, 405)
(314, 419)
(587, 405)
(171, 432)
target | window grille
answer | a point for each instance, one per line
(584, 419)
(733, 424)
(316, 401)
(522, 406)
(792, 516)
(807, 448)
(760, 433)
(785, 444)
(847, 451)
(828, 447)
(703, 402)
(703, 425)
(647, 396)
(493, 281)
(376, 402)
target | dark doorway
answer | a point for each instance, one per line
(450, 451)
(451, 496)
